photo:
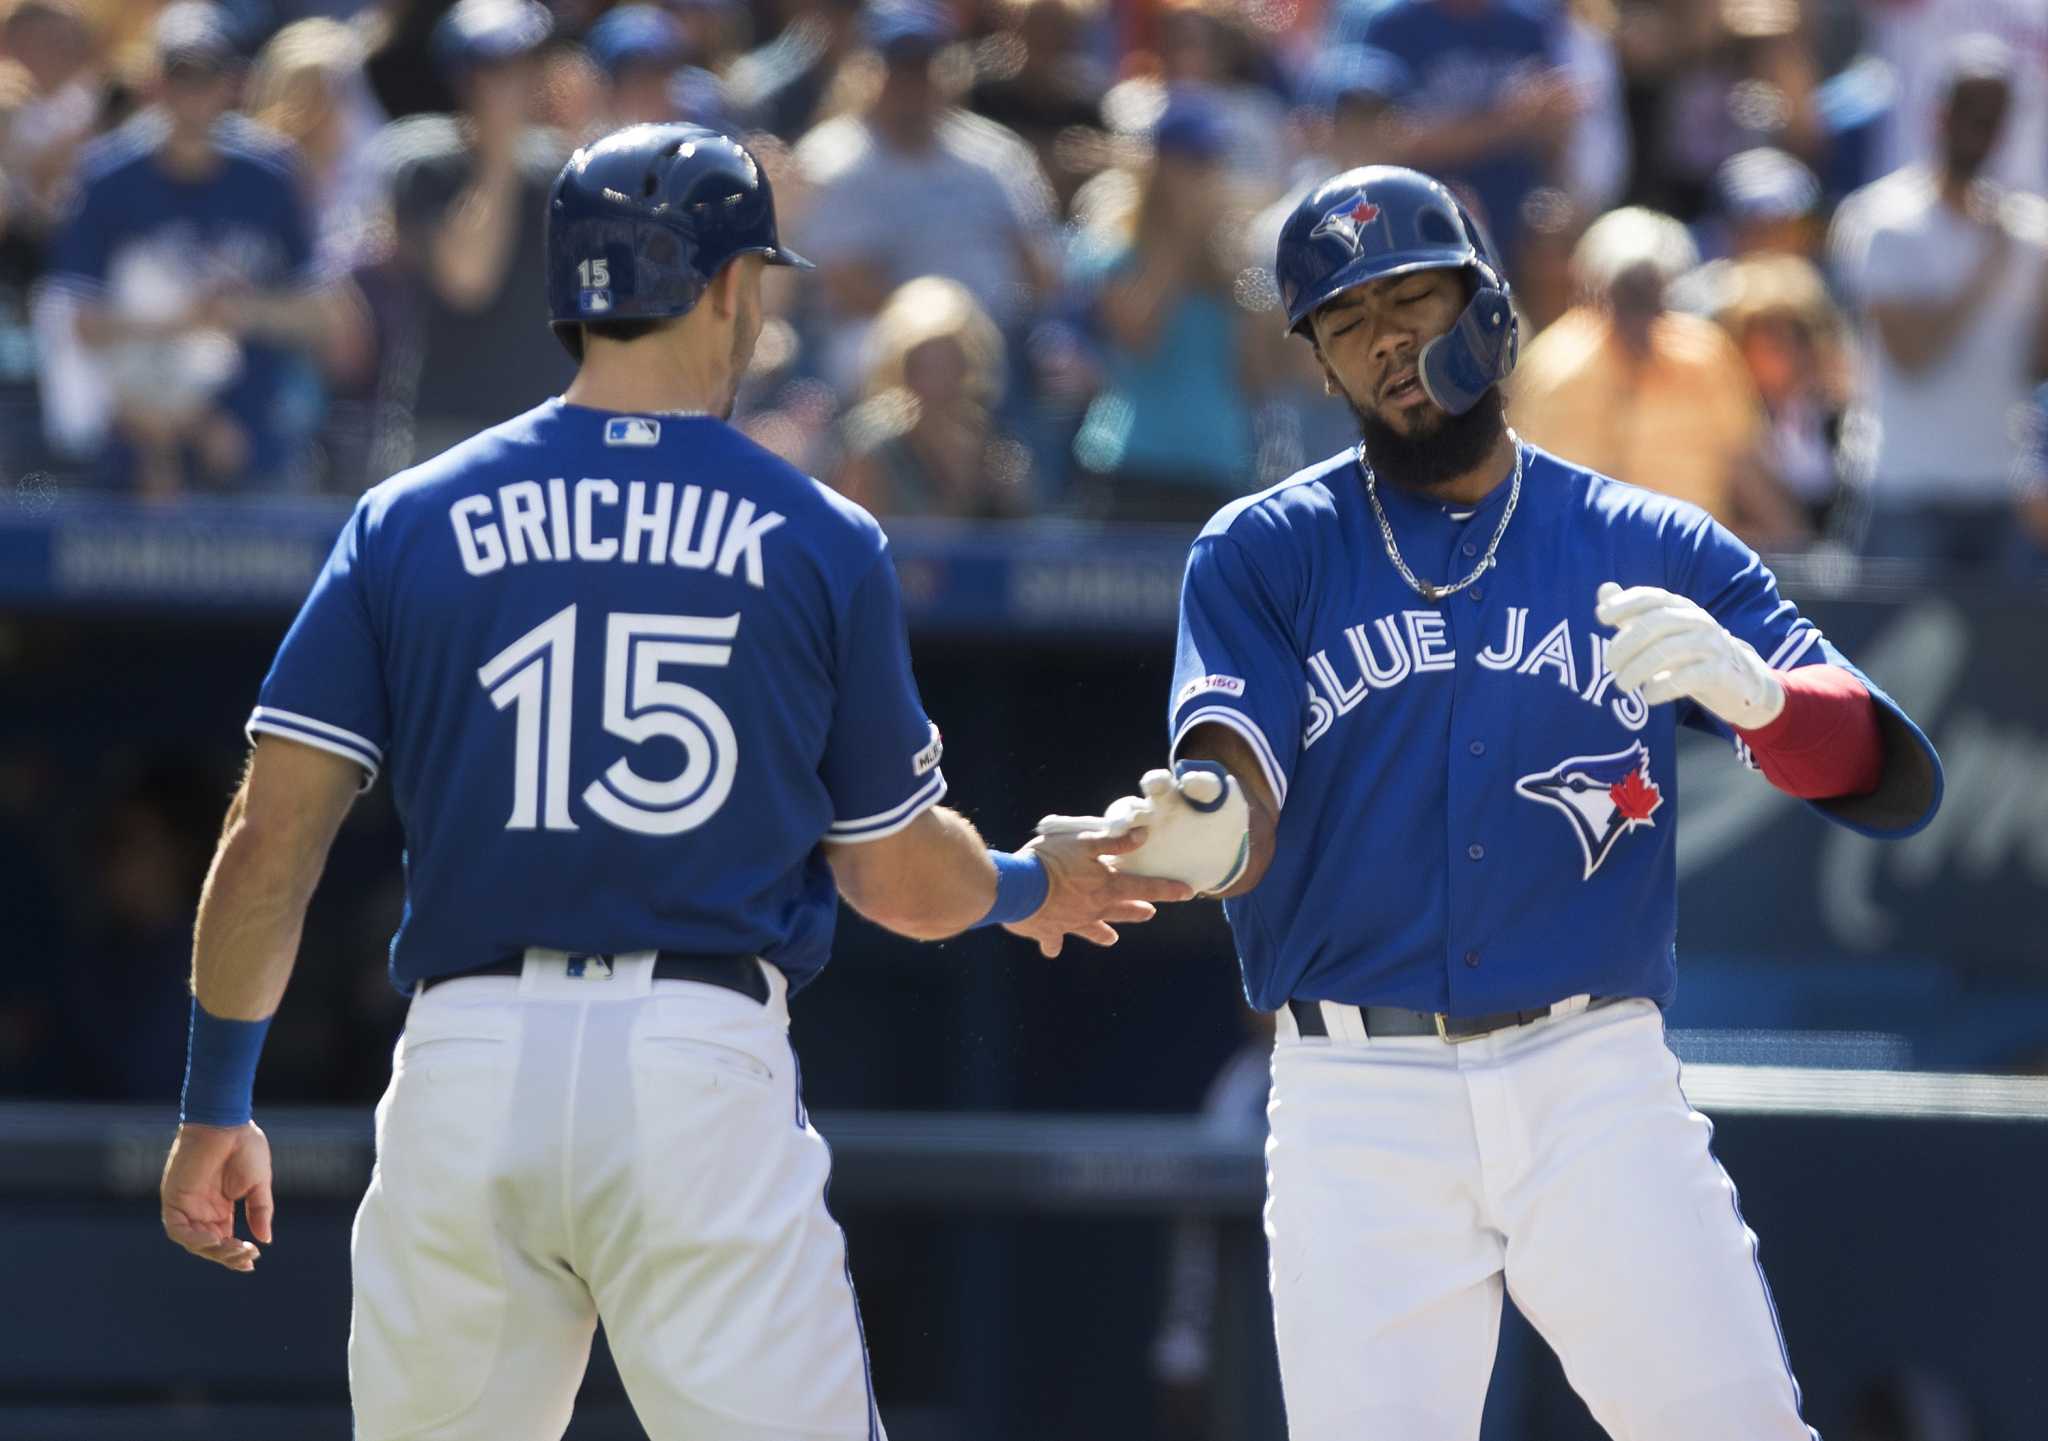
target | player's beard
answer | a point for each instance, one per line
(1428, 459)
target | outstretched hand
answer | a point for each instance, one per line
(210, 1168)
(1088, 897)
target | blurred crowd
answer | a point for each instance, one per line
(1784, 259)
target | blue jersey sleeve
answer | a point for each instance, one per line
(881, 764)
(1733, 584)
(1236, 661)
(326, 688)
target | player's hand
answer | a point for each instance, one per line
(1665, 646)
(210, 1168)
(1197, 824)
(1088, 897)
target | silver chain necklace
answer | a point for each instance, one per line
(1424, 588)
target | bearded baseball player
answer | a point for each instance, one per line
(1423, 728)
(645, 698)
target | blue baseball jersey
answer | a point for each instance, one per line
(143, 241)
(1473, 817)
(626, 674)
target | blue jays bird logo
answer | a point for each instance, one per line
(1348, 221)
(1604, 797)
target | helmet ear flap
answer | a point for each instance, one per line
(1476, 353)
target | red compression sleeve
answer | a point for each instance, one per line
(1824, 743)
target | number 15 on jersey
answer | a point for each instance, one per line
(535, 677)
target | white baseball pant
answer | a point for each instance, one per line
(555, 1149)
(1410, 1181)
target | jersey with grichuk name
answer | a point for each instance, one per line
(1475, 818)
(626, 673)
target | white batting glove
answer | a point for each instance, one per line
(1197, 826)
(1666, 646)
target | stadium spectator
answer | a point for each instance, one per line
(911, 185)
(469, 198)
(1211, 46)
(405, 74)
(1496, 109)
(923, 439)
(710, 32)
(307, 85)
(1912, 43)
(51, 93)
(783, 86)
(189, 267)
(1945, 270)
(1349, 115)
(643, 55)
(52, 89)
(1625, 386)
(697, 89)
(1593, 167)
(1712, 78)
(1777, 311)
(1169, 436)
(639, 49)
(1034, 76)
(1766, 202)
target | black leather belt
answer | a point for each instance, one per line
(734, 973)
(1396, 1021)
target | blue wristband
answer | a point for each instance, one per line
(1021, 884)
(220, 1068)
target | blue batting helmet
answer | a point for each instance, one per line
(1382, 220)
(640, 221)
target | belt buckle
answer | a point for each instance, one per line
(1447, 1038)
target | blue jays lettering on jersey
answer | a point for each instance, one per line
(626, 673)
(1473, 818)
(142, 240)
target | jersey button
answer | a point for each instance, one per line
(1471, 549)
(1477, 592)
(1478, 748)
(1472, 959)
(1477, 853)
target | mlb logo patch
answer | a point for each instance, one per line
(632, 430)
(594, 302)
(590, 967)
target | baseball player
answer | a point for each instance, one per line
(1423, 724)
(645, 698)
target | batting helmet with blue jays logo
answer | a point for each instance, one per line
(1382, 220)
(640, 221)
